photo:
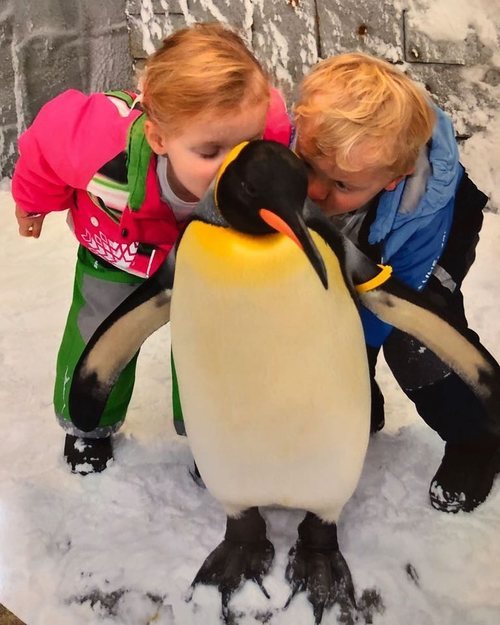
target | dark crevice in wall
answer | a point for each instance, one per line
(403, 30)
(319, 47)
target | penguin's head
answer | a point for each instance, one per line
(261, 188)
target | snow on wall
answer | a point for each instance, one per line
(450, 46)
(434, 40)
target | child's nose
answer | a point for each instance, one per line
(317, 190)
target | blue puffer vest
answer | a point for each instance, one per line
(411, 226)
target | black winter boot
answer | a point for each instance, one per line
(196, 476)
(377, 414)
(465, 476)
(87, 455)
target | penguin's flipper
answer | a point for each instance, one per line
(114, 344)
(412, 312)
(244, 554)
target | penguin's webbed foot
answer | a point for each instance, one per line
(326, 579)
(317, 567)
(244, 554)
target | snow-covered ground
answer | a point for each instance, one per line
(122, 547)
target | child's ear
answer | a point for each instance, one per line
(394, 183)
(154, 137)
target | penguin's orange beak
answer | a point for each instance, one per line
(279, 225)
(298, 233)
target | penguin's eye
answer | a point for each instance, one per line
(249, 189)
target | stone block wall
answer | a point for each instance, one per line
(47, 46)
(289, 36)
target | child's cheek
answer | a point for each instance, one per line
(339, 203)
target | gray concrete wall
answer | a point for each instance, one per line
(49, 45)
(289, 36)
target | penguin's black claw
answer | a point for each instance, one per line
(325, 577)
(231, 564)
(259, 583)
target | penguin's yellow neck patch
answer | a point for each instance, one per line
(225, 256)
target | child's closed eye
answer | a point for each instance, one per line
(209, 154)
(341, 186)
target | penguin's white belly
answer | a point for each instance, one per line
(272, 372)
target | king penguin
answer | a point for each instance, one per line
(271, 362)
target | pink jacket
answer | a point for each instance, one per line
(88, 154)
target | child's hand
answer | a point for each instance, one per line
(30, 224)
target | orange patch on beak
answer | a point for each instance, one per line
(278, 224)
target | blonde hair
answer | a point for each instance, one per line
(205, 68)
(354, 105)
